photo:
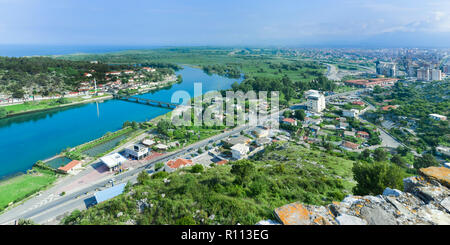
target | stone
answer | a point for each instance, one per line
(346, 219)
(391, 192)
(293, 214)
(440, 174)
(446, 204)
(377, 216)
(119, 214)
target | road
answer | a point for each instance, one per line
(57, 206)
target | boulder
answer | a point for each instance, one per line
(391, 192)
(440, 174)
(346, 219)
(377, 216)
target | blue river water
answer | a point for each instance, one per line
(28, 138)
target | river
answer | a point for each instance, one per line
(28, 138)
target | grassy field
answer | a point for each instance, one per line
(20, 187)
(250, 62)
(43, 104)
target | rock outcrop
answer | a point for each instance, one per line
(425, 200)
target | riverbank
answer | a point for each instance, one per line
(45, 105)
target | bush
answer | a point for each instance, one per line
(160, 175)
(373, 178)
(197, 168)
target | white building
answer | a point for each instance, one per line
(239, 151)
(436, 75)
(443, 150)
(315, 101)
(136, 151)
(113, 161)
(350, 113)
(438, 117)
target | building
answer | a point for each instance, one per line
(443, 150)
(371, 83)
(239, 151)
(349, 145)
(161, 147)
(438, 117)
(260, 132)
(113, 161)
(388, 69)
(148, 142)
(349, 133)
(315, 101)
(231, 141)
(109, 193)
(289, 121)
(423, 74)
(350, 113)
(136, 152)
(436, 75)
(173, 165)
(389, 107)
(71, 167)
(363, 134)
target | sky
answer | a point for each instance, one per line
(384, 23)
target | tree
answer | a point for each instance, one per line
(380, 155)
(365, 155)
(197, 168)
(25, 222)
(186, 220)
(373, 178)
(397, 159)
(287, 113)
(163, 127)
(242, 170)
(300, 114)
(425, 161)
(143, 177)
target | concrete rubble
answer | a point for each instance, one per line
(424, 200)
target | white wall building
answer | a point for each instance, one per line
(136, 151)
(438, 117)
(113, 161)
(239, 151)
(315, 101)
(436, 75)
(350, 113)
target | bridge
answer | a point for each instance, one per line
(145, 101)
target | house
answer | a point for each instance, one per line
(173, 165)
(314, 128)
(443, 150)
(239, 151)
(349, 134)
(137, 152)
(289, 121)
(261, 133)
(222, 162)
(149, 69)
(349, 145)
(389, 107)
(313, 121)
(438, 117)
(358, 102)
(363, 134)
(350, 113)
(71, 167)
(109, 193)
(148, 142)
(113, 161)
(263, 141)
(236, 140)
(343, 125)
(161, 147)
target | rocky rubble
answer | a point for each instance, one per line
(425, 200)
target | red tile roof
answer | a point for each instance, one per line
(69, 166)
(350, 145)
(222, 162)
(178, 163)
(388, 107)
(362, 133)
(289, 120)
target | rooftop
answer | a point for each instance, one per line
(69, 166)
(109, 193)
